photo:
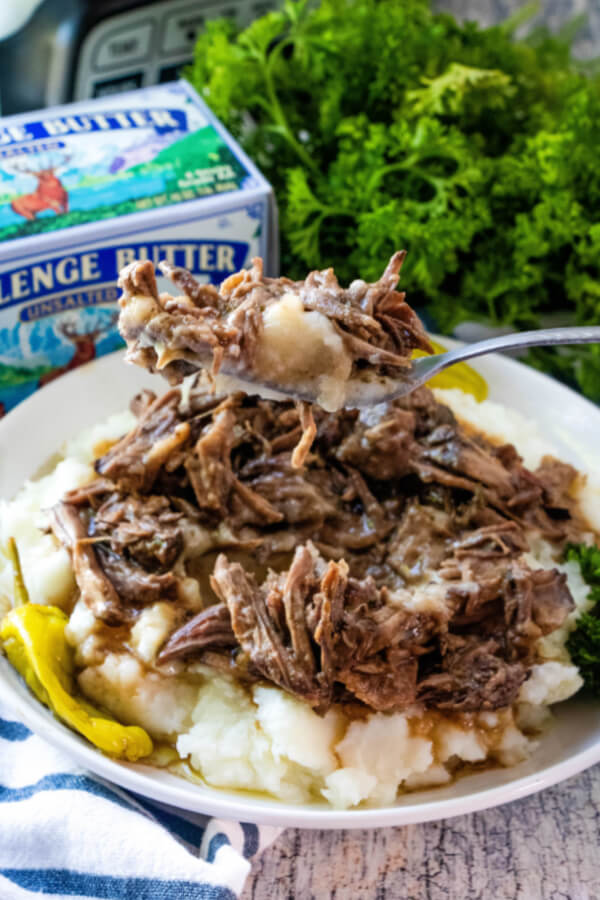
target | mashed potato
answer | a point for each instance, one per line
(48, 574)
(260, 738)
(295, 344)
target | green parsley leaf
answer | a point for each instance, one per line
(584, 642)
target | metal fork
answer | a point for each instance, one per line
(369, 392)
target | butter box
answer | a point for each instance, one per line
(86, 188)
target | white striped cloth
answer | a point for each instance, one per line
(65, 833)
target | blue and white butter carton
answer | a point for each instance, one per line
(85, 189)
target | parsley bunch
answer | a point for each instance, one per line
(584, 642)
(383, 125)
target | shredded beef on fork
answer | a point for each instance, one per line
(206, 328)
(166, 334)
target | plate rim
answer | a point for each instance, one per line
(222, 803)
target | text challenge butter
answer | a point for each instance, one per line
(89, 187)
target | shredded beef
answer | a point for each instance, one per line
(309, 431)
(134, 462)
(375, 558)
(313, 631)
(388, 570)
(148, 529)
(209, 628)
(317, 632)
(96, 588)
(208, 465)
(135, 586)
(206, 327)
(261, 635)
(473, 677)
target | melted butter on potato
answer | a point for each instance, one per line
(299, 346)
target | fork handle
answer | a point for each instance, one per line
(544, 337)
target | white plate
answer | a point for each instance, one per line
(32, 432)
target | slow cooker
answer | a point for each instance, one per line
(53, 51)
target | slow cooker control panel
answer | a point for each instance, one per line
(151, 44)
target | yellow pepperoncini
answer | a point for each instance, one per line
(20, 591)
(460, 376)
(33, 638)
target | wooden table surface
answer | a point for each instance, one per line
(546, 846)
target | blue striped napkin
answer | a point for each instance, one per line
(65, 833)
